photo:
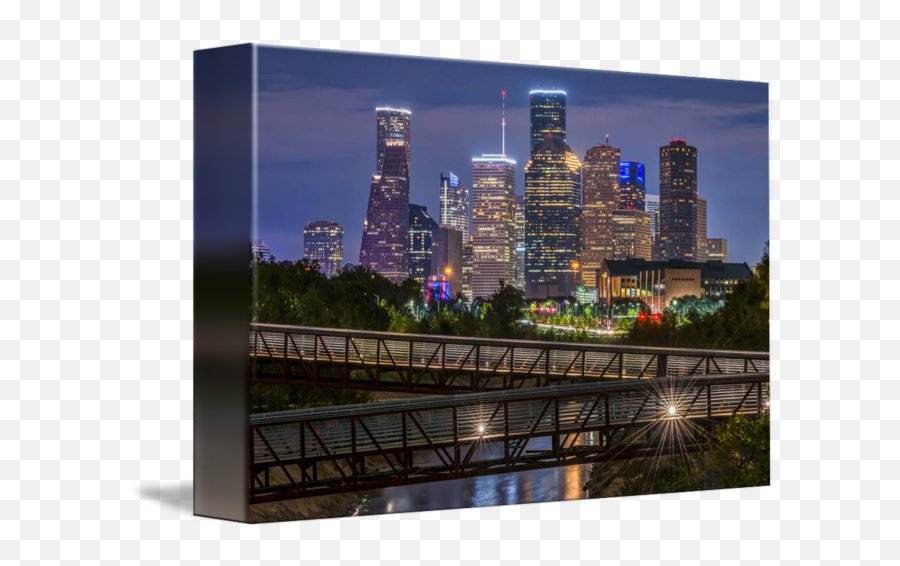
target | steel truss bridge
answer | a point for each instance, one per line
(303, 453)
(384, 361)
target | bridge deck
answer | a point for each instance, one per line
(324, 450)
(447, 364)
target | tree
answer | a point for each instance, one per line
(502, 313)
(738, 454)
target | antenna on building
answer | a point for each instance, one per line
(503, 123)
(607, 140)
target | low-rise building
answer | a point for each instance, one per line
(658, 282)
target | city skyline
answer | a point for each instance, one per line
(465, 122)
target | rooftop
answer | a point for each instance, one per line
(712, 268)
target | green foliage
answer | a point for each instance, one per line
(502, 314)
(666, 474)
(738, 454)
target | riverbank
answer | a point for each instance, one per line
(604, 480)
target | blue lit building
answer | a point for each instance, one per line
(631, 186)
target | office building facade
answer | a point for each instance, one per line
(455, 210)
(467, 270)
(599, 199)
(631, 185)
(385, 240)
(552, 220)
(548, 115)
(701, 230)
(678, 201)
(447, 256)
(421, 230)
(392, 124)
(631, 235)
(717, 249)
(259, 249)
(520, 242)
(323, 242)
(493, 223)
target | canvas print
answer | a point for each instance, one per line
(476, 284)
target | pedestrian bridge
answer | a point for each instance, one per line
(303, 453)
(414, 363)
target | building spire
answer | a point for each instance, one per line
(503, 123)
(607, 140)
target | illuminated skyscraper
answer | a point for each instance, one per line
(392, 124)
(467, 270)
(260, 249)
(493, 223)
(552, 219)
(446, 252)
(631, 185)
(701, 229)
(678, 201)
(631, 234)
(600, 198)
(548, 115)
(421, 230)
(520, 242)
(717, 249)
(455, 204)
(323, 241)
(385, 241)
(652, 207)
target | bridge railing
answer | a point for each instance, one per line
(337, 449)
(446, 364)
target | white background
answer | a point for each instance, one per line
(96, 290)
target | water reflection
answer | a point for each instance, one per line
(534, 486)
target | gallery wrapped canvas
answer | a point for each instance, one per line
(428, 284)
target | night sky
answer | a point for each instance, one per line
(317, 135)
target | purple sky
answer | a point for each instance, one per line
(317, 135)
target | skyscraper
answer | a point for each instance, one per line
(260, 249)
(552, 219)
(631, 234)
(631, 185)
(548, 115)
(455, 204)
(717, 249)
(493, 223)
(421, 229)
(600, 198)
(467, 270)
(652, 207)
(701, 229)
(385, 241)
(446, 252)
(678, 200)
(323, 241)
(520, 242)
(392, 124)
